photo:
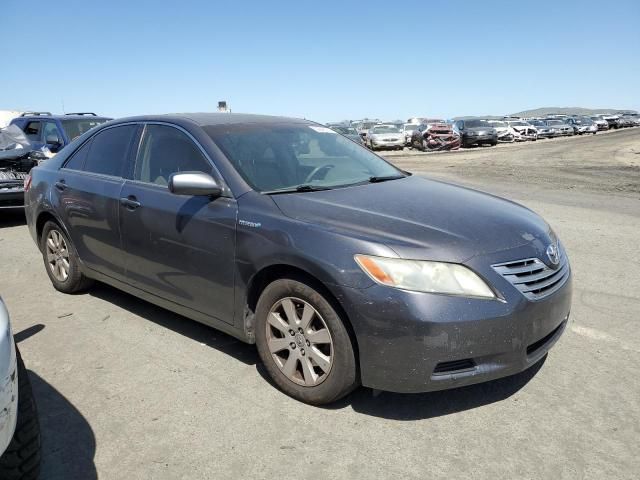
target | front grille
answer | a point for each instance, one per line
(455, 366)
(533, 277)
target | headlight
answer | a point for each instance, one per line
(424, 276)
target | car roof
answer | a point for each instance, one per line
(205, 119)
(64, 117)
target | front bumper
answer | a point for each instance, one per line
(480, 139)
(381, 144)
(418, 342)
(11, 196)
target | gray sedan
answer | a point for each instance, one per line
(341, 268)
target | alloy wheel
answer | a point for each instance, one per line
(299, 341)
(57, 255)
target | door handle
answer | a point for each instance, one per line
(130, 202)
(60, 185)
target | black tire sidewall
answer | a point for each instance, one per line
(21, 459)
(342, 377)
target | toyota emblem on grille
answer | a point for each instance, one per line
(553, 254)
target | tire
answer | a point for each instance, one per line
(21, 460)
(75, 280)
(317, 385)
(493, 144)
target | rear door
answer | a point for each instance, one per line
(180, 248)
(88, 192)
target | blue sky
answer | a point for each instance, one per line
(324, 60)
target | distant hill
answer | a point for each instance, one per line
(541, 112)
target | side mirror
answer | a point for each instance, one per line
(194, 183)
(52, 139)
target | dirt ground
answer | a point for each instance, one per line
(128, 390)
(608, 163)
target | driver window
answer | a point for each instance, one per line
(165, 150)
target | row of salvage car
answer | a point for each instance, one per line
(431, 134)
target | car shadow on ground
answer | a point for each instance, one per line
(68, 442)
(177, 323)
(12, 217)
(419, 406)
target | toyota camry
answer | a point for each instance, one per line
(343, 269)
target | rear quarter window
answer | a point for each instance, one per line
(76, 162)
(109, 152)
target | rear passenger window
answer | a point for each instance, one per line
(165, 150)
(110, 150)
(76, 162)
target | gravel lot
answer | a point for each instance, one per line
(127, 390)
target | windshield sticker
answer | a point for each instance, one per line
(321, 129)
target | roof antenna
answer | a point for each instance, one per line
(63, 110)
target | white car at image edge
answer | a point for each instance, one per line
(19, 426)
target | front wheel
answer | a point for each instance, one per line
(303, 343)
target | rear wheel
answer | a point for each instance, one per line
(61, 260)
(21, 460)
(303, 343)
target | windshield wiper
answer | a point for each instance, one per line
(299, 188)
(385, 179)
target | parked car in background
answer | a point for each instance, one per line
(363, 128)
(407, 131)
(612, 120)
(625, 121)
(543, 130)
(476, 132)
(19, 426)
(385, 137)
(55, 131)
(600, 122)
(561, 128)
(582, 125)
(349, 132)
(343, 269)
(523, 129)
(505, 133)
(17, 158)
(435, 134)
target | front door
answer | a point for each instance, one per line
(180, 248)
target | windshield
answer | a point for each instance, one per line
(410, 127)
(537, 123)
(519, 124)
(75, 128)
(476, 123)
(384, 129)
(284, 156)
(554, 122)
(495, 123)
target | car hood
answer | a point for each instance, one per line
(420, 218)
